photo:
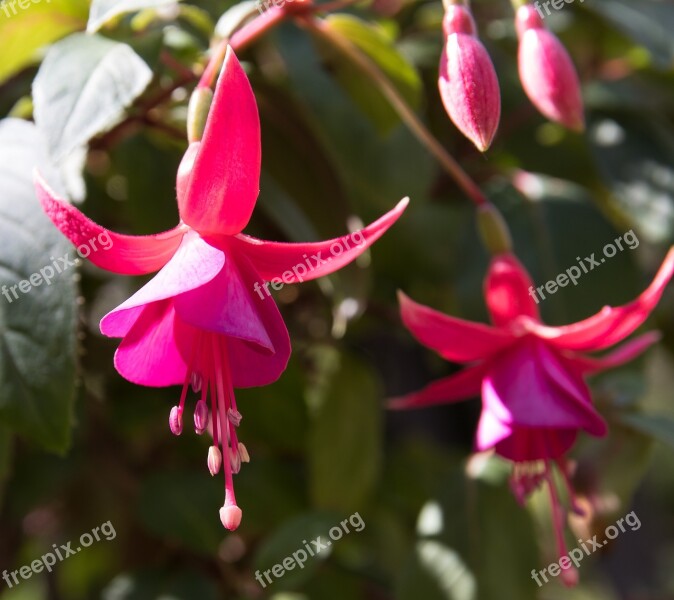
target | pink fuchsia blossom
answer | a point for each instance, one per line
(530, 376)
(198, 322)
(547, 72)
(468, 84)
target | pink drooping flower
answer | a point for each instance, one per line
(547, 72)
(530, 376)
(468, 84)
(206, 320)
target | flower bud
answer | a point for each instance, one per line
(197, 113)
(468, 84)
(547, 72)
(231, 516)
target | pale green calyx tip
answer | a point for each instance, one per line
(197, 113)
(493, 230)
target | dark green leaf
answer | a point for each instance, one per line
(346, 434)
(374, 42)
(37, 328)
(436, 572)
(660, 427)
(183, 507)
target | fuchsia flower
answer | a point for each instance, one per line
(198, 321)
(547, 72)
(468, 84)
(531, 376)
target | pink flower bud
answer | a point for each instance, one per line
(231, 516)
(468, 84)
(547, 72)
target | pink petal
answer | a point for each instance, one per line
(293, 263)
(507, 290)
(225, 305)
(622, 355)
(529, 386)
(526, 445)
(490, 431)
(194, 264)
(609, 325)
(463, 385)
(221, 192)
(150, 354)
(250, 366)
(469, 89)
(454, 339)
(125, 254)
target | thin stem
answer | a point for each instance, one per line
(409, 117)
(239, 40)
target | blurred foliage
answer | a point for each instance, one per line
(109, 109)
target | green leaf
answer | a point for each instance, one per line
(24, 31)
(346, 434)
(660, 427)
(290, 539)
(103, 11)
(436, 572)
(648, 23)
(160, 585)
(37, 328)
(183, 507)
(83, 87)
(635, 154)
(373, 41)
(5, 457)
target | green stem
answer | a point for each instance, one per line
(322, 30)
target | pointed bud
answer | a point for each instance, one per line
(214, 460)
(547, 72)
(243, 453)
(201, 416)
(197, 113)
(231, 516)
(468, 84)
(176, 421)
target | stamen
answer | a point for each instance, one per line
(201, 417)
(197, 382)
(176, 421)
(243, 453)
(564, 470)
(234, 417)
(214, 460)
(569, 575)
